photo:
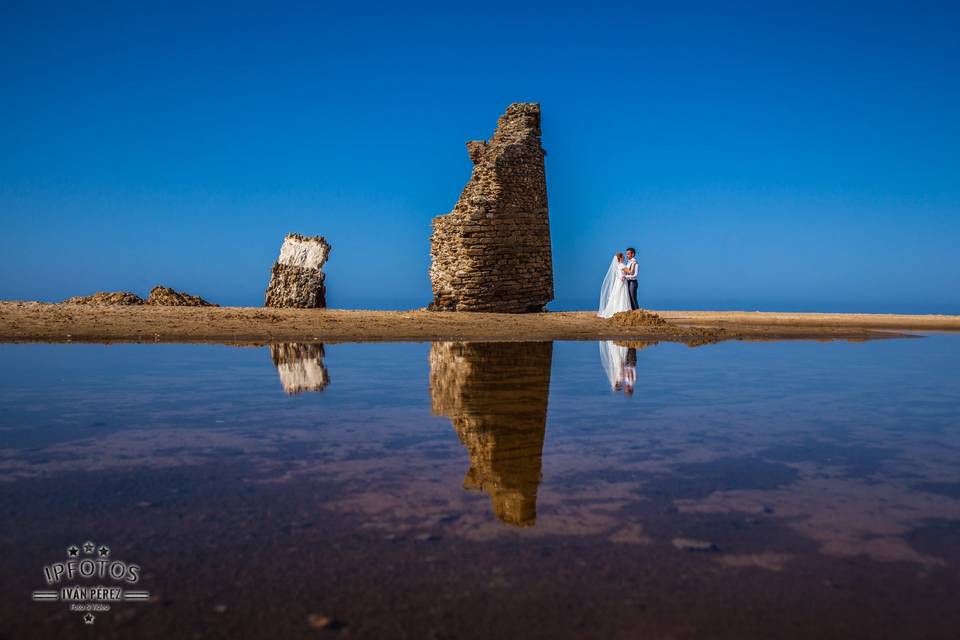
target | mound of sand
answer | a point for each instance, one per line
(652, 323)
(639, 319)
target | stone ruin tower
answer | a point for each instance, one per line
(492, 252)
(297, 279)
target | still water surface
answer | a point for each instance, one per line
(792, 489)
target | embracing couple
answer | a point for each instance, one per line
(619, 290)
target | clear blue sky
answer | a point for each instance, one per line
(758, 156)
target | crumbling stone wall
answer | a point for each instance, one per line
(297, 279)
(495, 394)
(492, 252)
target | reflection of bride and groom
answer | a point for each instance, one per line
(620, 365)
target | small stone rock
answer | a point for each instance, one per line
(107, 298)
(167, 297)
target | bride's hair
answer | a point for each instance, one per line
(619, 257)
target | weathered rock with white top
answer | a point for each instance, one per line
(297, 279)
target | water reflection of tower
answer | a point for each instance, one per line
(300, 366)
(495, 394)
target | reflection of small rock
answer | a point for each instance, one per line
(320, 621)
(767, 561)
(428, 537)
(630, 534)
(689, 544)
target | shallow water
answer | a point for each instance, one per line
(792, 489)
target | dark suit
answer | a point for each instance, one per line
(632, 283)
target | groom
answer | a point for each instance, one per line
(630, 275)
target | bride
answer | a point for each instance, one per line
(614, 296)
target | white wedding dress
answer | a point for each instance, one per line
(613, 357)
(614, 296)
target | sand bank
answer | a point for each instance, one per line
(33, 321)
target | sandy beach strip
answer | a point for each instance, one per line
(34, 321)
(742, 319)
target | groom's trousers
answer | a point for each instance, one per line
(632, 290)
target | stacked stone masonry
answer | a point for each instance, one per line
(492, 252)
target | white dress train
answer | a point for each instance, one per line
(614, 296)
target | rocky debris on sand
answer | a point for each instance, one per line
(297, 278)
(107, 297)
(165, 296)
(159, 295)
(492, 252)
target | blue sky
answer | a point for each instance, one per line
(759, 156)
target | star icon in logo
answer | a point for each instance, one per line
(88, 547)
(104, 551)
(89, 618)
(73, 551)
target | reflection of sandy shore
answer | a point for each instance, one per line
(29, 321)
